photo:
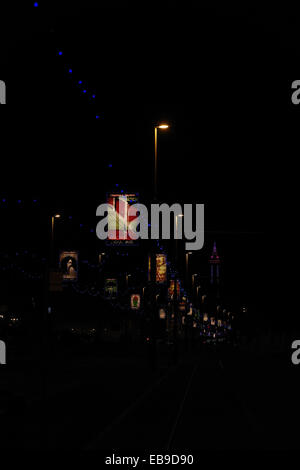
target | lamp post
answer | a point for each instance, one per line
(176, 236)
(187, 268)
(152, 306)
(175, 299)
(53, 217)
(127, 280)
(193, 279)
(193, 283)
(43, 350)
(161, 126)
(197, 294)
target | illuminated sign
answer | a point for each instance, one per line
(161, 268)
(68, 264)
(172, 288)
(135, 301)
(162, 314)
(111, 288)
(120, 223)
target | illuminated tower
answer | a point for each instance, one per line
(214, 267)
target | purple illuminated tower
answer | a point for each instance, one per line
(214, 267)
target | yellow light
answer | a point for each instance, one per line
(57, 216)
(163, 126)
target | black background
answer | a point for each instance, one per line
(222, 78)
(219, 76)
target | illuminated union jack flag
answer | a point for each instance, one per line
(120, 223)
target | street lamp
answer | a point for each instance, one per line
(152, 257)
(53, 217)
(187, 267)
(193, 284)
(176, 221)
(127, 279)
(100, 257)
(160, 126)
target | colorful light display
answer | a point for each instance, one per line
(171, 289)
(111, 288)
(68, 264)
(162, 314)
(120, 223)
(161, 268)
(135, 301)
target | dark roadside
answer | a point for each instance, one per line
(222, 397)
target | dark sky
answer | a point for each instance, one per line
(216, 77)
(221, 78)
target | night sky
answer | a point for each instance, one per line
(215, 75)
(95, 351)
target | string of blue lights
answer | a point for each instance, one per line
(81, 84)
(90, 95)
